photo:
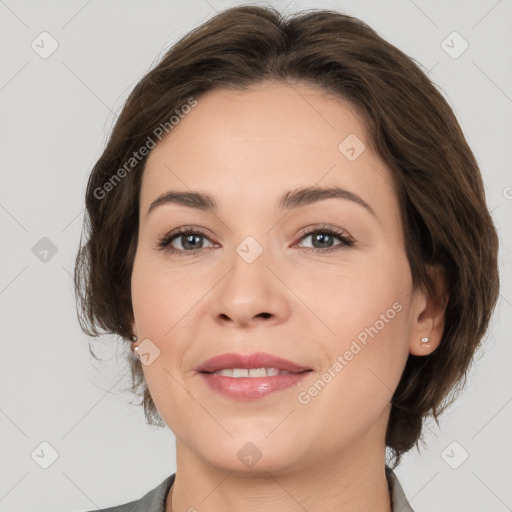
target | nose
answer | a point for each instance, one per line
(251, 294)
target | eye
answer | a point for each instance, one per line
(189, 239)
(323, 237)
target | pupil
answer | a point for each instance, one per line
(321, 237)
(189, 239)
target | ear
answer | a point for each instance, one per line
(429, 314)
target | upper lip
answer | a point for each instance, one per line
(254, 360)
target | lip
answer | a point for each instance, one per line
(250, 388)
(247, 388)
(254, 360)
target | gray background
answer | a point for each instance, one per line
(56, 114)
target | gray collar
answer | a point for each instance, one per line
(398, 499)
(155, 500)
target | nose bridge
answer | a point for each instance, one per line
(249, 275)
(250, 289)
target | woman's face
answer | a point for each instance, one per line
(257, 276)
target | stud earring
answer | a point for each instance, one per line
(425, 342)
(135, 350)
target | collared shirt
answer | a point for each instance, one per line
(155, 500)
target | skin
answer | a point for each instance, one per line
(247, 149)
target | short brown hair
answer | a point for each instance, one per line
(411, 127)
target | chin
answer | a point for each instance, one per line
(251, 454)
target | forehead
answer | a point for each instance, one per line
(269, 114)
(268, 139)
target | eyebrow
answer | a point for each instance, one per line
(291, 200)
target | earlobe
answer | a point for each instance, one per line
(429, 318)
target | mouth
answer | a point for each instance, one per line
(249, 377)
(238, 373)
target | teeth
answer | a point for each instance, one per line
(252, 372)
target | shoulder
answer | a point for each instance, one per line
(153, 500)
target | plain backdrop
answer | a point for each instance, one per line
(61, 409)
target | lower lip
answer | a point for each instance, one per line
(247, 388)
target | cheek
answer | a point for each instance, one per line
(366, 310)
(353, 296)
(161, 302)
(156, 307)
(162, 299)
(365, 354)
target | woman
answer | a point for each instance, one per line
(289, 229)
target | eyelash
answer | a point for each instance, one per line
(164, 243)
